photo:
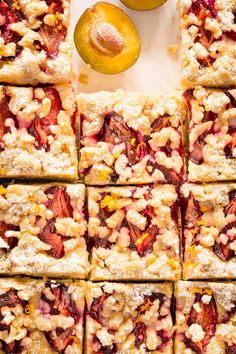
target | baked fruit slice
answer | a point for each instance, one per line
(38, 132)
(34, 42)
(128, 318)
(143, 5)
(133, 233)
(133, 138)
(39, 316)
(205, 317)
(212, 134)
(208, 31)
(106, 38)
(43, 230)
(209, 231)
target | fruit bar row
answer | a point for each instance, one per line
(50, 316)
(118, 233)
(128, 138)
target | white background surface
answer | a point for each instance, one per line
(155, 68)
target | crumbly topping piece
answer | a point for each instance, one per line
(34, 45)
(209, 230)
(208, 32)
(128, 318)
(131, 138)
(37, 132)
(41, 316)
(212, 134)
(42, 230)
(205, 317)
(133, 232)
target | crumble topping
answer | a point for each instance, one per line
(37, 132)
(42, 230)
(133, 232)
(34, 45)
(208, 32)
(209, 230)
(128, 318)
(131, 138)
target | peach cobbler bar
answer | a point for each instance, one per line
(209, 231)
(38, 132)
(131, 138)
(34, 46)
(212, 134)
(43, 230)
(208, 31)
(133, 233)
(205, 316)
(128, 318)
(40, 317)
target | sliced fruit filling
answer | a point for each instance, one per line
(141, 333)
(51, 35)
(206, 316)
(207, 13)
(136, 146)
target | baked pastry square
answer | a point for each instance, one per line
(205, 318)
(39, 316)
(131, 138)
(133, 233)
(43, 230)
(128, 318)
(209, 231)
(212, 134)
(37, 132)
(208, 32)
(34, 45)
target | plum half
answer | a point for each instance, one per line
(106, 38)
(143, 5)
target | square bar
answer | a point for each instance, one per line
(37, 132)
(209, 231)
(34, 45)
(43, 230)
(208, 32)
(128, 318)
(205, 317)
(133, 233)
(38, 316)
(132, 138)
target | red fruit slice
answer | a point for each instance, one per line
(60, 338)
(231, 207)
(191, 211)
(4, 113)
(11, 241)
(170, 175)
(49, 236)
(40, 127)
(140, 242)
(112, 349)
(97, 307)
(13, 347)
(203, 8)
(10, 299)
(231, 35)
(231, 146)
(160, 123)
(230, 349)
(197, 154)
(140, 334)
(207, 318)
(59, 202)
(224, 252)
(63, 303)
(52, 37)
